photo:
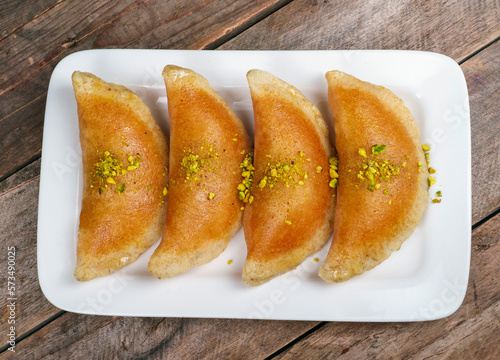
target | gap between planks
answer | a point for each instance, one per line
(478, 51)
(214, 45)
(34, 329)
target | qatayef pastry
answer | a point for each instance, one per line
(382, 188)
(292, 210)
(125, 159)
(208, 144)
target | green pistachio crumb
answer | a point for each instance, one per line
(377, 149)
(120, 188)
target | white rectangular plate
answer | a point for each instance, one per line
(426, 279)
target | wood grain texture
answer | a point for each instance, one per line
(22, 176)
(470, 333)
(15, 14)
(483, 78)
(376, 24)
(40, 38)
(32, 52)
(99, 337)
(21, 137)
(18, 224)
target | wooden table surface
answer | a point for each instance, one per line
(36, 35)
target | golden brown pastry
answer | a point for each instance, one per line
(125, 159)
(208, 143)
(382, 188)
(292, 210)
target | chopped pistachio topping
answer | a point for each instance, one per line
(432, 181)
(191, 165)
(287, 172)
(316, 260)
(436, 201)
(241, 187)
(432, 171)
(319, 169)
(247, 173)
(197, 161)
(438, 193)
(165, 191)
(334, 176)
(120, 188)
(374, 169)
(362, 152)
(109, 168)
(426, 147)
(377, 149)
(229, 262)
(288, 222)
(211, 196)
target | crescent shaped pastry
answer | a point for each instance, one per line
(208, 144)
(292, 210)
(125, 159)
(382, 189)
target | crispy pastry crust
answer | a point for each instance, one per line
(206, 135)
(288, 222)
(116, 228)
(369, 226)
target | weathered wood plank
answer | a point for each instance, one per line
(178, 338)
(21, 177)
(18, 224)
(99, 337)
(470, 333)
(21, 137)
(73, 26)
(483, 77)
(14, 14)
(414, 25)
(34, 50)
